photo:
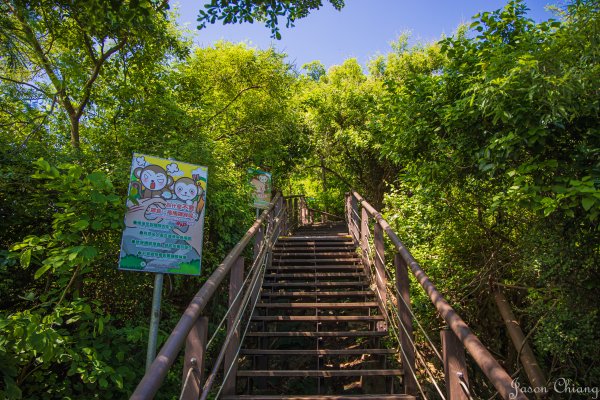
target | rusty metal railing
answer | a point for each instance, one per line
(300, 214)
(192, 328)
(360, 215)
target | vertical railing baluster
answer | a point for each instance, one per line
(406, 327)
(354, 217)
(194, 358)
(455, 367)
(295, 212)
(380, 276)
(304, 211)
(364, 240)
(236, 277)
(347, 211)
(258, 238)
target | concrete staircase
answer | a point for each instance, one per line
(317, 331)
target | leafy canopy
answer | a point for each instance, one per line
(267, 11)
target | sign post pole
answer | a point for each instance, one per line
(154, 319)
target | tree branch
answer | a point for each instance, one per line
(37, 128)
(86, 40)
(221, 111)
(87, 88)
(45, 62)
(344, 181)
(26, 84)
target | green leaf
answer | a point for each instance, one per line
(12, 390)
(41, 271)
(81, 224)
(97, 225)
(26, 258)
(587, 202)
(43, 164)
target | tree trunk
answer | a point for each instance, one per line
(74, 131)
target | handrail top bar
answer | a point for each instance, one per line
(481, 355)
(156, 373)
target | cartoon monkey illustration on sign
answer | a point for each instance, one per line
(155, 182)
(187, 190)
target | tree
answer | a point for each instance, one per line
(61, 48)
(315, 70)
(340, 112)
(497, 137)
(239, 11)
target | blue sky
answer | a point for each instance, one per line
(362, 29)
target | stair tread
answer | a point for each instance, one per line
(316, 254)
(296, 238)
(304, 249)
(317, 260)
(318, 334)
(320, 397)
(315, 267)
(341, 293)
(362, 304)
(309, 318)
(316, 352)
(316, 275)
(311, 284)
(322, 373)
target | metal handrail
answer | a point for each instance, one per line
(156, 373)
(480, 354)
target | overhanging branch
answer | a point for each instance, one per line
(334, 173)
(221, 111)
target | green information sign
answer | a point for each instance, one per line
(261, 181)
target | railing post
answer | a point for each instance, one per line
(364, 240)
(347, 210)
(303, 211)
(278, 213)
(530, 364)
(354, 216)
(455, 368)
(258, 238)
(284, 216)
(236, 278)
(195, 351)
(380, 276)
(294, 212)
(406, 328)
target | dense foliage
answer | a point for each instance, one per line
(482, 150)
